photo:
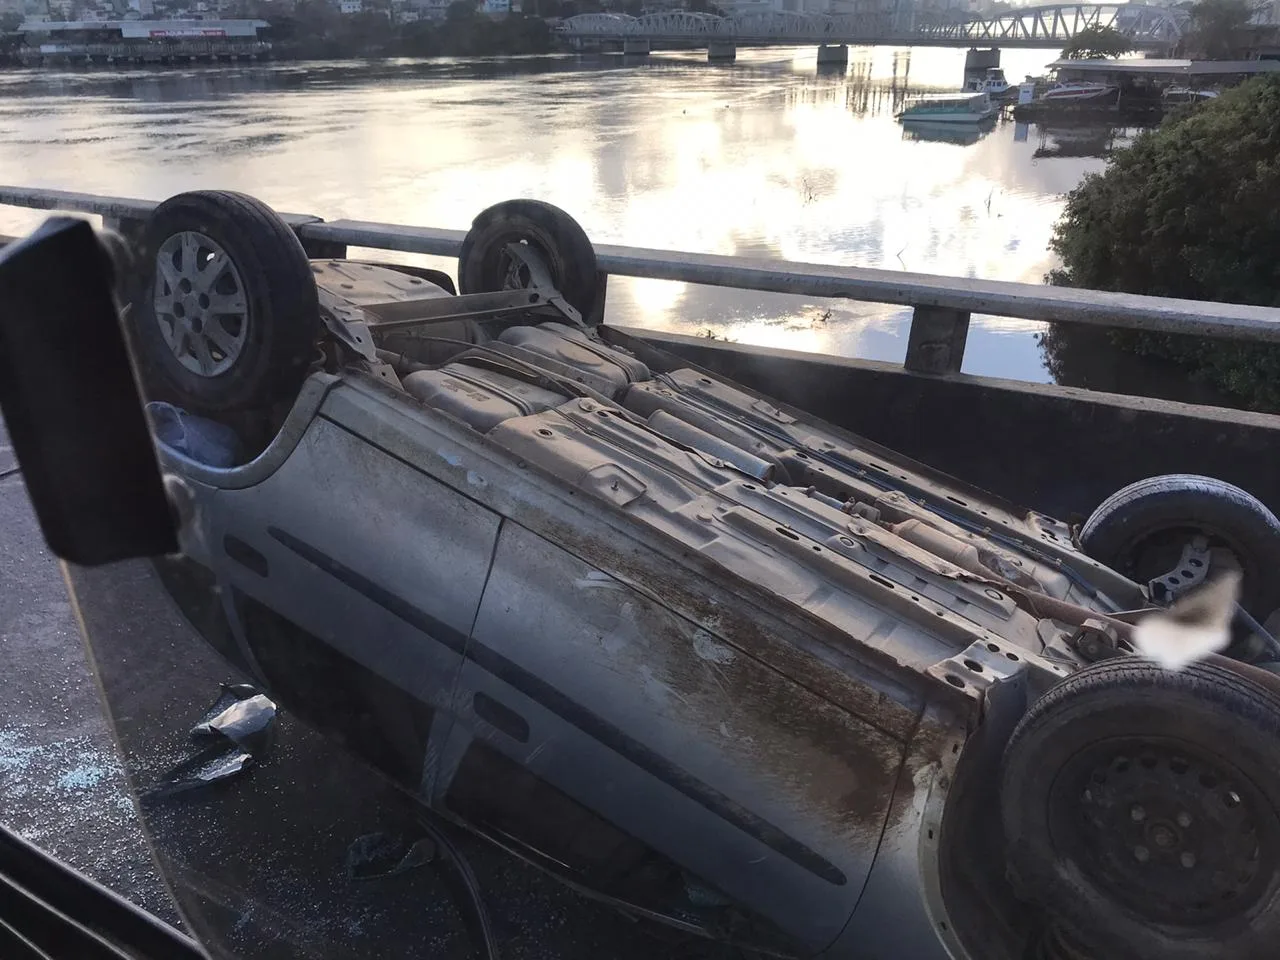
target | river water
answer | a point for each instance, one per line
(767, 157)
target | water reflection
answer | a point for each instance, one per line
(961, 134)
(1080, 140)
(767, 158)
(1085, 357)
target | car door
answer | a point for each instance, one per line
(353, 580)
(601, 731)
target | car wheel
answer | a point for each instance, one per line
(226, 315)
(485, 265)
(1141, 531)
(1141, 810)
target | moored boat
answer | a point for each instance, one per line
(1187, 95)
(993, 84)
(948, 108)
(1078, 91)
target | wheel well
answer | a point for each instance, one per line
(985, 913)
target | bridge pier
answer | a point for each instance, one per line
(831, 54)
(636, 47)
(722, 50)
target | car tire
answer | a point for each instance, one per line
(1153, 518)
(242, 339)
(1141, 810)
(483, 264)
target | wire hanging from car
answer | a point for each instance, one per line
(465, 886)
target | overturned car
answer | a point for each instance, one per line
(694, 652)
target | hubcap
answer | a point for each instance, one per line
(1172, 835)
(200, 303)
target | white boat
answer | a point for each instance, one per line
(948, 108)
(1072, 91)
(994, 84)
(1187, 95)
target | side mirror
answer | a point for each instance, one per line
(71, 403)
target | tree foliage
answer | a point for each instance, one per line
(1097, 43)
(1191, 209)
(315, 30)
(460, 11)
(1219, 28)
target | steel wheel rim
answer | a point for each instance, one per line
(200, 303)
(1140, 557)
(1134, 845)
(514, 273)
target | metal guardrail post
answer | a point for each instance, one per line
(937, 339)
(323, 249)
(596, 314)
(317, 248)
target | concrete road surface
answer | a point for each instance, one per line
(61, 785)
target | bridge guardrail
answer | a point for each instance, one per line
(941, 305)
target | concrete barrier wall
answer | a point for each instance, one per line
(1058, 449)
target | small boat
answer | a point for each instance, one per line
(948, 108)
(1187, 95)
(1077, 91)
(994, 84)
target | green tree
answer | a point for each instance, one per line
(460, 11)
(1190, 209)
(9, 22)
(1097, 43)
(1219, 28)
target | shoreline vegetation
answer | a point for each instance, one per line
(1190, 209)
(315, 30)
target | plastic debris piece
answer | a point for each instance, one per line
(206, 441)
(228, 696)
(385, 855)
(209, 767)
(239, 721)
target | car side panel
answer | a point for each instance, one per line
(751, 783)
(368, 555)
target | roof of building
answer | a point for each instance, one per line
(1187, 68)
(151, 28)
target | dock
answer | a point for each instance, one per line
(1140, 83)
